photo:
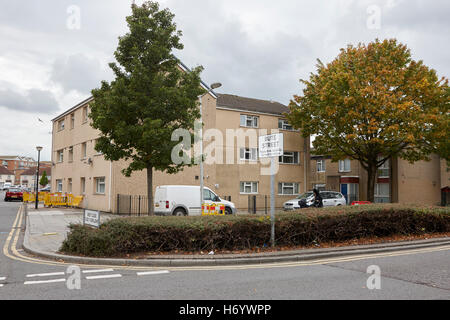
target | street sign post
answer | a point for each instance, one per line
(271, 146)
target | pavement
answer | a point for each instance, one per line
(47, 228)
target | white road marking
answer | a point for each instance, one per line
(44, 281)
(98, 271)
(109, 276)
(149, 273)
(2, 278)
(45, 274)
(1, 285)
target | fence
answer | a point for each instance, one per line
(54, 199)
(258, 203)
(132, 205)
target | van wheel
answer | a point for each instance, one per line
(228, 211)
(179, 212)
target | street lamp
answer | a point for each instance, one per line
(39, 149)
(213, 86)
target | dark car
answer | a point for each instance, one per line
(14, 194)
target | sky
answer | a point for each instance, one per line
(54, 52)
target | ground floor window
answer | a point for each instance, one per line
(350, 191)
(285, 188)
(249, 187)
(83, 185)
(382, 193)
(59, 185)
(100, 185)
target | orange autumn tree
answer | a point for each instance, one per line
(372, 103)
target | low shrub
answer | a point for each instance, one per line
(303, 228)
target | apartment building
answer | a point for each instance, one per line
(232, 168)
(398, 181)
(17, 164)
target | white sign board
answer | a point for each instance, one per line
(271, 145)
(92, 218)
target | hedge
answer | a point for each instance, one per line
(122, 236)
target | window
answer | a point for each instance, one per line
(83, 185)
(249, 121)
(61, 125)
(83, 150)
(290, 158)
(208, 195)
(321, 165)
(71, 154)
(249, 187)
(59, 185)
(288, 188)
(97, 152)
(284, 125)
(384, 171)
(69, 185)
(382, 193)
(100, 185)
(320, 187)
(60, 155)
(85, 114)
(344, 165)
(249, 154)
(72, 121)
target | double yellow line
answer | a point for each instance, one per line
(15, 233)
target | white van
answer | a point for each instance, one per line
(185, 200)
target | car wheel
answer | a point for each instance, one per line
(228, 211)
(179, 212)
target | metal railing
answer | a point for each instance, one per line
(132, 205)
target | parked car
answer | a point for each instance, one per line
(6, 186)
(14, 194)
(185, 200)
(330, 199)
(46, 189)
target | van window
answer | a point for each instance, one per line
(208, 195)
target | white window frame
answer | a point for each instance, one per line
(385, 167)
(290, 154)
(254, 187)
(251, 153)
(100, 181)
(288, 185)
(245, 119)
(60, 155)
(343, 165)
(85, 114)
(84, 150)
(61, 125)
(378, 195)
(283, 124)
(72, 121)
(321, 165)
(59, 185)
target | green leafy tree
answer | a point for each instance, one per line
(44, 179)
(150, 97)
(373, 103)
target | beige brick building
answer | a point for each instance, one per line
(398, 181)
(234, 171)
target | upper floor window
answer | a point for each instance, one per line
(290, 158)
(61, 125)
(60, 155)
(83, 150)
(249, 121)
(72, 121)
(321, 165)
(385, 169)
(249, 154)
(85, 114)
(284, 125)
(71, 154)
(345, 165)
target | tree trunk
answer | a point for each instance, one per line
(151, 207)
(371, 178)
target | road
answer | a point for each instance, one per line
(420, 275)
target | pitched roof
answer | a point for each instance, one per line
(3, 170)
(249, 104)
(32, 171)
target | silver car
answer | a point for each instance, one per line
(330, 199)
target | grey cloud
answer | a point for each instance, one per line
(79, 72)
(33, 100)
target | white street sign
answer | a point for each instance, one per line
(271, 145)
(92, 218)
